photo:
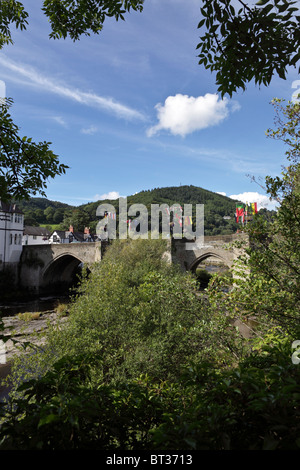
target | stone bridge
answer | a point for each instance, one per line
(53, 267)
(214, 254)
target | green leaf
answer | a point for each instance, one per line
(48, 420)
(261, 2)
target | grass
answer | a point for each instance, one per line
(29, 316)
(51, 227)
(61, 309)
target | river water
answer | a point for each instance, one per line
(8, 309)
(40, 304)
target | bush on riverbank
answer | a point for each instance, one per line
(144, 362)
(138, 314)
(135, 316)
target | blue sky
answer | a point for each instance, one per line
(130, 109)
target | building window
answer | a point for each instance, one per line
(20, 239)
(34, 237)
(10, 239)
(15, 238)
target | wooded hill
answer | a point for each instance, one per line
(41, 211)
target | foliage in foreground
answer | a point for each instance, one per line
(240, 40)
(142, 364)
(25, 166)
(137, 314)
(253, 407)
(269, 293)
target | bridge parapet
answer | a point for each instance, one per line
(218, 247)
(54, 263)
(51, 266)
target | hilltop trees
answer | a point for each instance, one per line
(41, 211)
(218, 214)
(142, 362)
(76, 217)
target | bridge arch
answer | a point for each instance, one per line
(211, 262)
(61, 273)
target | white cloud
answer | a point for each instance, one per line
(60, 120)
(111, 195)
(262, 200)
(182, 114)
(89, 130)
(2, 89)
(51, 85)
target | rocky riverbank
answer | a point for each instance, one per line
(23, 330)
(20, 331)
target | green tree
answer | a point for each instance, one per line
(74, 18)
(78, 218)
(25, 166)
(58, 216)
(30, 218)
(267, 282)
(11, 12)
(49, 213)
(39, 215)
(66, 17)
(244, 42)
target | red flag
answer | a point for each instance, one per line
(239, 212)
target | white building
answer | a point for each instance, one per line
(11, 233)
(35, 236)
(69, 236)
(59, 236)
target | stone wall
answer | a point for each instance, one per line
(189, 254)
(40, 263)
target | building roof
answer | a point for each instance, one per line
(9, 207)
(60, 233)
(40, 231)
(78, 236)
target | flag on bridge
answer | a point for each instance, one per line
(239, 212)
(178, 217)
(253, 207)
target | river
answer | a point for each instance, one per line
(10, 309)
(39, 304)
